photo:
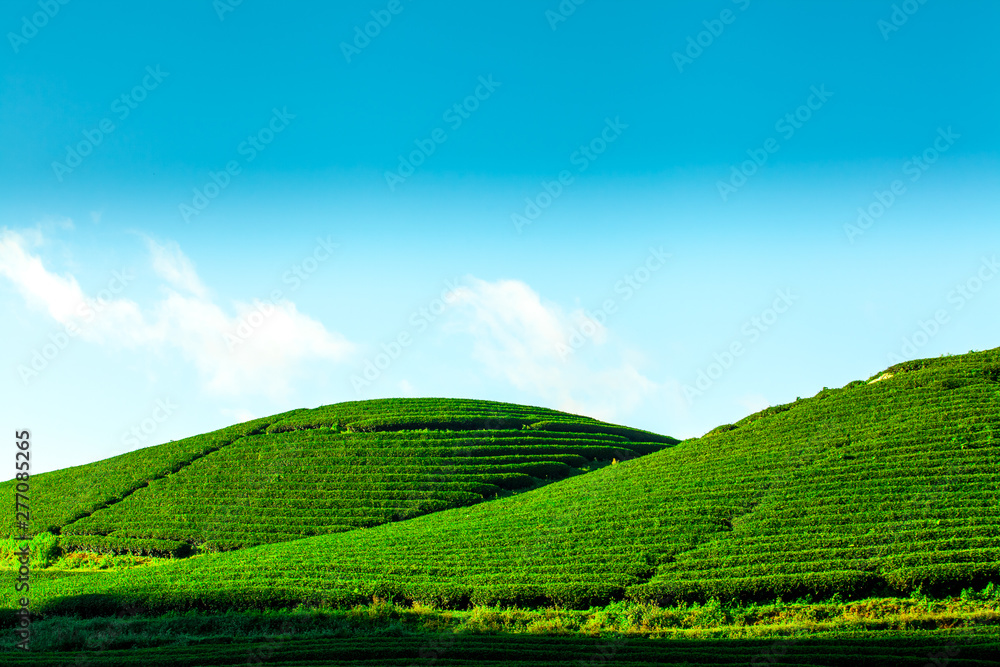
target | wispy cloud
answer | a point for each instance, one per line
(516, 336)
(185, 320)
(60, 296)
(173, 266)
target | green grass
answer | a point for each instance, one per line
(971, 611)
(886, 631)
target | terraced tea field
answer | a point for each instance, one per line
(320, 471)
(885, 487)
(878, 487)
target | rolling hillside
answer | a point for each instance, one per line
(326, 470)
(881, 486)
(60, 497)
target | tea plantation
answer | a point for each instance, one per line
(310, 472)
(883, 487)
(61, 497)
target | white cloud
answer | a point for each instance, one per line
(60, 296)
(274, 350)
(527, 342)
(173, 266)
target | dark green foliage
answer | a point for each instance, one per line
(105, 544)
(919, 364)
(766, 412)
(632, 434)
(720, 429)
(43, 547)
(968, 648)
(436, 422)
(415, 412)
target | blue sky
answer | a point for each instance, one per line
(667, 215)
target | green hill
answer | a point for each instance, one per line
(879, 487)
(310, 472)
(63, 496)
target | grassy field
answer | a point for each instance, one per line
(505, 532)
(913, 631)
